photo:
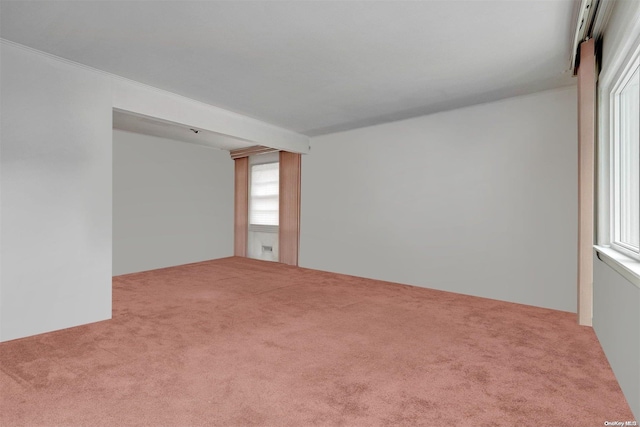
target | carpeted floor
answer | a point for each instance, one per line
(241, 342)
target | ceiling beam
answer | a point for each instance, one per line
(138, 98)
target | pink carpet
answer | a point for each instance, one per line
(238, 342)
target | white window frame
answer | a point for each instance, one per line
(611, 82)
(614, 136)
(261, 159)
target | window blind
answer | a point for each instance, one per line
(264, 194)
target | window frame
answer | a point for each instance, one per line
(256, 161)
(616, 257)
(622, 78)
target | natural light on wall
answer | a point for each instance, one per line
(627, 161)
(263, 196)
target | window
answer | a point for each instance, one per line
(618, 208)
(625, 167)
(263, 194)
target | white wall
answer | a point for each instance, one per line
(616, 301)
(258, 239)
(172, 203)
(480, 201)
(55, 170)
(616, 322)
(56, 194)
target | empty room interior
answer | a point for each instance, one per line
(320, 213)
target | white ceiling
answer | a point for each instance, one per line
(312, 66)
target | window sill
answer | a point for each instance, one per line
(629, 268)
(263, 228)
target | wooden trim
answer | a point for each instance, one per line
(289, 227)
(586, 170)
(251, 151)
(241, 207)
